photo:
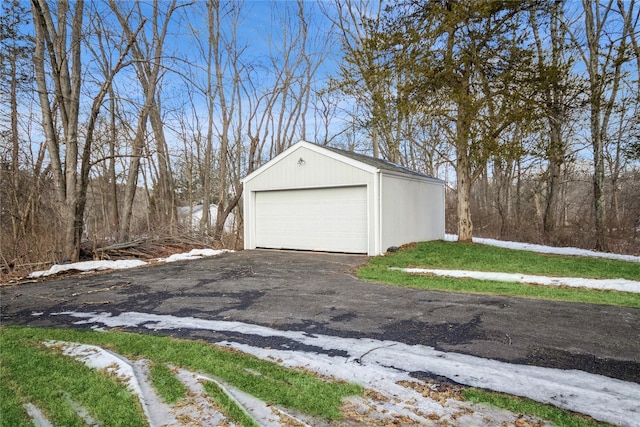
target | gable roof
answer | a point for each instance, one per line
(362, 161)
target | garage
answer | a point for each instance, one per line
(318, 198)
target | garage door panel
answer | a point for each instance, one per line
(328, 219)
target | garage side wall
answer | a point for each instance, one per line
(412, 210)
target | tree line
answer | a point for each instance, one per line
(121, 115)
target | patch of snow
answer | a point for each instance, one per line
(194, 254)
(395, 400)
(198, 406)
(36, 415)
(101, 359)
(89, 266)
(84, 414)
(546, 249)
(253, 407)
(623, 285)
(135, 375)
(382, 364)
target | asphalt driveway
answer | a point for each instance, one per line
(318, 293)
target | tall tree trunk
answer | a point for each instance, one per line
(595, 103)
(463, 176)
(71, 180)
(114, 216)
(225, 110)
(133, 171)
(210, 93)
(165, 196)
(604, 68)
(555, 156)
(551, 71)
(67, 95)
(463, 205)
(598, 189)
(16, 222)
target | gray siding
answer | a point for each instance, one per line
(412, 211)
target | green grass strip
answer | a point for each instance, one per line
(477, 257)
(452, 255)
(520, 405)
(228, 406)
(265, 380)
(168, 386)
(51, 381)
(486, 287)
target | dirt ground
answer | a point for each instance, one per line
(318, 293)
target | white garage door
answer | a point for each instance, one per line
(324, 219)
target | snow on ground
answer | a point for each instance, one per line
(101, 359)
(88, 266)
(623, 285)
(194, 254)
(398, 402)
(36, 415)
(135, 376)
(381, 365)
(546, 249)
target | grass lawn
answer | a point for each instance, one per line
(477, 257)
(558, 417)
(58, 385)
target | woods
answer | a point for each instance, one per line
(121, 118)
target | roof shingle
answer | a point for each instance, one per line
(377, 163)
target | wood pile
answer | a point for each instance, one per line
(148, 248)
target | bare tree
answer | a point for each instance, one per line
(16, 50)
(279, 106)
(622, 130)
(361, 73)
(226, 58)
(148, 58)
(556, 96)
(70, 164)
(603, 56)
